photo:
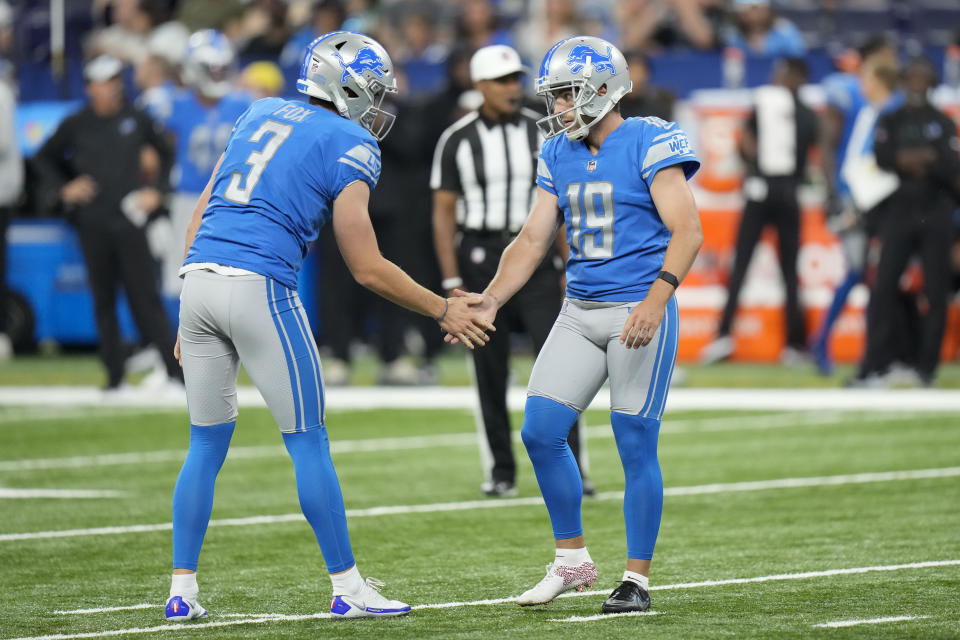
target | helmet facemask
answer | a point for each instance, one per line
(368, 112)
(583, 94)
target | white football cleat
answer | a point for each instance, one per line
(367, 604)
(559, 578)
(179, 610)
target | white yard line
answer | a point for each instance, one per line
(276, 617)
(852, 623)
(70, 494)
(465, 398)
(715, 488)
(605, 616)
(129, 607)
(780, 420)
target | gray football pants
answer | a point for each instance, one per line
(254, 320)
(584, 350)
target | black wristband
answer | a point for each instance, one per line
(668, 277)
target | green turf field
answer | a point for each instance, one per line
(267, 580)
(452, 368)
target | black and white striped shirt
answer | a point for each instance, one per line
(492, 166)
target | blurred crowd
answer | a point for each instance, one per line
(200, 62)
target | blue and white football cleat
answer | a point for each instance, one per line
(367, 604)
(180, 610)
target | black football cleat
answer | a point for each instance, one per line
(629, 596)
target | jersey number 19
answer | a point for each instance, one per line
(586, 219)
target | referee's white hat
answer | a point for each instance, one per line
(495, 61)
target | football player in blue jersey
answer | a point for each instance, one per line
(200, 119)
(633, 231)
(288, 168)
(849, 120)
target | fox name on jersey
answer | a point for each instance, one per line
(285, 164)
(616, 237)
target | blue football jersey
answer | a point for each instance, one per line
(617, 239)
(843, 93)
(285, 164)
(202, 132)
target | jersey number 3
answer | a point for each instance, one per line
(586, 219)
(257, 160)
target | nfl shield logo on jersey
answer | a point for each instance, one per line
(591, 165)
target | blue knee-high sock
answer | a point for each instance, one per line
(546, 424)
(836, 306)
(320, 497)
(643, 498)
(193, 495)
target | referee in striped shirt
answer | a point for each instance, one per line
(484, 181)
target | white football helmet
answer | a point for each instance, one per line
(354, 73)
(581, 64)
(209, 66)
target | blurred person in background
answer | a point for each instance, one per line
(264, 30)
(483, 180)
(92, 165)
(325, 16)
(422, 58)
(656, 25)
(225, 16)
(758, 31)
(155, 77)
(127, 35)
(11, 186)
(548, 22)
(775, 143)
(478, 25)
(644, 99)
(866, 205)
(846, 100)
(200, 121)
(919, 143)
(262, 79)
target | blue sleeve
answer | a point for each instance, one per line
(790, 40)
(664, 144)
(355, 158)
(837, 92)
(544, 175)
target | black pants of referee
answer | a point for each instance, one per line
(343, 304)
(116, 253)
(779, 208)
(928, 234)
(533, 309)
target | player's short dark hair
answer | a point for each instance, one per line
(796, 67)
(885, 72)
(874, 44)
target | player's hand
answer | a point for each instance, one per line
(149, 199)
(176, 350)
(486, 311)
(463, 321)
(641, 324)
(80, 190)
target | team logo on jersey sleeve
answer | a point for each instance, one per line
(365, 158)
(365, 60)
(583, 54)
